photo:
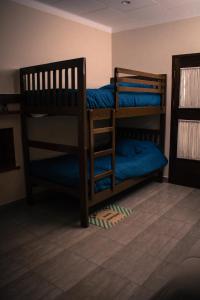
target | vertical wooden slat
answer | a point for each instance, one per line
(32, 87)
(29, 81)
(76, 86)
(33, 81)
(60, 86)
(25, 82)
(73, 86)
(44, 99)
(54, 87)
(66, 79)
(60, 79)
(48, 102)
(49, 80)
(43, 80)
(38, 81)
(38, 89)
(73, 78)
(54, 79)
(76, 78)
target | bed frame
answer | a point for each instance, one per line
(46, 89)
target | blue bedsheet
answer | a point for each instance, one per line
(64, 170)
(104, 97)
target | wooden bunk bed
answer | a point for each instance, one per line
(46, 89)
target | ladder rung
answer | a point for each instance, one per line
(102, 175)
(102, 130)
(103, 153)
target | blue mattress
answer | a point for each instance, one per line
(133, 159)
(104, 97)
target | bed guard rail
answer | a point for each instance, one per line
(53, 147)
(144, 83)
(54, 88)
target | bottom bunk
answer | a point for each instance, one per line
(134, 159)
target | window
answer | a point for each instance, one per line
(190, 87)
(188, 146)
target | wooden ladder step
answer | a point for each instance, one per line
(102, 175)
(103, 153)
(102, 130)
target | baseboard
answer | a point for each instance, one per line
(165, 179)
(14, 203)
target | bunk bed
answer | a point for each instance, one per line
(98, 172)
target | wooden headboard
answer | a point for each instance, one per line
(152, 135)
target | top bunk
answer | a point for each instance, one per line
(59, 88)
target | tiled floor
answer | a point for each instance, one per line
(44, 254)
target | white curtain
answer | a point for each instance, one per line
(188, 145)
(190, 87)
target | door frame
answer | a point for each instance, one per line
(180, 113)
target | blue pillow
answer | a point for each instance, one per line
(141, 146)
(130, 147)
(126, 147)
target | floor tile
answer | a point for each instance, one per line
(14, 236)
(100, 284)
(65, 270)
(36, 252)
(96, 248)
(67, 236)
(124, 261)
(143, 268)
(142, 293)
(29, 286)
(10, 269)
(181, 250)
(184, 214)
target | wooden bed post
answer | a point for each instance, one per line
(25, 146)
(163, 118)
(82, 140)
(116, 95)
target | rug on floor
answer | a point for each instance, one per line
(109, 216)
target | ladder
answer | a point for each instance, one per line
(106, 152)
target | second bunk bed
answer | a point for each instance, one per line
(94, 171)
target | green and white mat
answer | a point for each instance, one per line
(109, 216)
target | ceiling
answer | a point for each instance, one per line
(117, 17)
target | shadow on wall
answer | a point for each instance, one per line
(9, 81)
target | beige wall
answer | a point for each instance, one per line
(28, 37)
(151, 49)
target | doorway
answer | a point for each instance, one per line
(184, 166)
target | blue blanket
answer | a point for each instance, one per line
(133, 159)
(104, 97)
